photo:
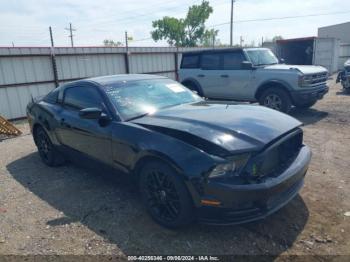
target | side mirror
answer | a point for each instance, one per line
(90, 113)
(282, 61)
(246, 65)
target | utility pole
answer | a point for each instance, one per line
(214, 40)
(241, 41)
(53, 59)
(126, 56)
(51, 37)
(71, 29)
(231, 23)
(126, 41)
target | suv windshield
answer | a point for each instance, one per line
(138, 98)
(262, 57)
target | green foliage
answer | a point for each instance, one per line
(209, 38)
(111, 43)
(277, 37)
(183, 32)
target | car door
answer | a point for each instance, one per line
(209, 75)
(235, 80)
(85, 136)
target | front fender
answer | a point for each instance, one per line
(131, 143)
(271, 82)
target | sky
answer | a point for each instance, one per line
(26, 22)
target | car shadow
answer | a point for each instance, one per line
(109, 205)
(308, 116)
(343, 92)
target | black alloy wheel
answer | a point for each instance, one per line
(162, 196)
(165, 195)
(47, 152)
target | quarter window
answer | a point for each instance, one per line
(190, 61)
(233, 60)
(52, 96)
(80, 97)
(211, 61)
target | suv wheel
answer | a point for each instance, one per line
(165, 195)
(277, 99)
(194, 88)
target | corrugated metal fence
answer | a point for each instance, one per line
(344, 54)
(26, 72)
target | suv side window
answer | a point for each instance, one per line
(233, 60)
(80, 97)
(210, 61)
(190, 61)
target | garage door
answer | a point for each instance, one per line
(326, 53)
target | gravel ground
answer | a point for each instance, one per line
(78, 211)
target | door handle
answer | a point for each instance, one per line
(226, 76)
(201, 75)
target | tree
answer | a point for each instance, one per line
(111, 43)
(209, 38)
(277, 37)
(186, 31)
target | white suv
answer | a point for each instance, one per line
(252, 74)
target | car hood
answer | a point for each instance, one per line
(232, 127)
(305, 69)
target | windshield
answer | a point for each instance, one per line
(262, 57)
(138, 98)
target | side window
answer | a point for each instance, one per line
(233, 61)
(190, 61)
(79, 97)
(210, 62)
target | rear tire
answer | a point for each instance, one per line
(194, 88)
(48, 153)
(165, 195)
(277, 99)
(305, 105)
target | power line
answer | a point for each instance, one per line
(279, 18)
(134, 18)
(142, 39)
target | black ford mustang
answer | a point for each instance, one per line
(221, 163)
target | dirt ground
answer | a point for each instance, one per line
(72, 210)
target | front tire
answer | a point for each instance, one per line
(194, 88)
(165, 195)
(48, 153)
(277, 99)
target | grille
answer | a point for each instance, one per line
(277, 157)
(318, 78)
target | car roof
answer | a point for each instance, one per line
(219, 50)
(112, 79)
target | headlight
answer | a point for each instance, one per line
(304, 80)
(231, 167)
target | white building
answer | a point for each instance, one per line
(339, 31)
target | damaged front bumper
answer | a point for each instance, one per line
(248, 202)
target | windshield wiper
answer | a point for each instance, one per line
(263, 64)
(136, 117)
